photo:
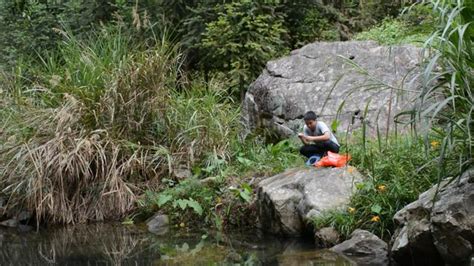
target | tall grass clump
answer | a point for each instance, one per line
(88, 129)
(201, 124)
(446, 100)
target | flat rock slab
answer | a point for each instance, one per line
(285, 201)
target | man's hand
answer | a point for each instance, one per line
(302, 138)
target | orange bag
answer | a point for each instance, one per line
(333, 159)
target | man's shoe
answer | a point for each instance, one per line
(312, 160)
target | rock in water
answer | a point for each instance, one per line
(439, 234)
(158, 224)
(285, 201)
(326, 237)
(320, 77)
(364, 248)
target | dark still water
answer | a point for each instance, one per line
(116, 244)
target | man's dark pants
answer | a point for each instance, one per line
(319, 148)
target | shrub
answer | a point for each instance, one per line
(244, 37)
(226, 198)
(396, 31)
(413, 26)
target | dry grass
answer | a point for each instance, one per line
(84, 158)
(98, 133)
(66, 174)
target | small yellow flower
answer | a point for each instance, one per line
(182, 225)
(434, 144)
(350, 169)
(351, 210)
(375, 219)
(381, 188)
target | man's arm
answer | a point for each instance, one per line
(324, 137)
(326, 133)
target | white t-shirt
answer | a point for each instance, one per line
(320, 129)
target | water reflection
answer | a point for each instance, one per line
(116, 244)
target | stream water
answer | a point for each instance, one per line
(117, 244)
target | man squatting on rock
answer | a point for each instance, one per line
(317, 137)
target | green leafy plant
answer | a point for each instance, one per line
(319, 23)
(245, 192)
(163, 199)
(188, 203)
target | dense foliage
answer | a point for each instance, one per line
(242, 39)
(225, 36)
(116, 108)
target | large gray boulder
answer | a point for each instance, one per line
(321, 77)
(439, 232)
(285, 202)
(364, 248)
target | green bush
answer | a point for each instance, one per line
(29, 27)
(310, 24)
(244, 37)
(413, 26)
(396, 31)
